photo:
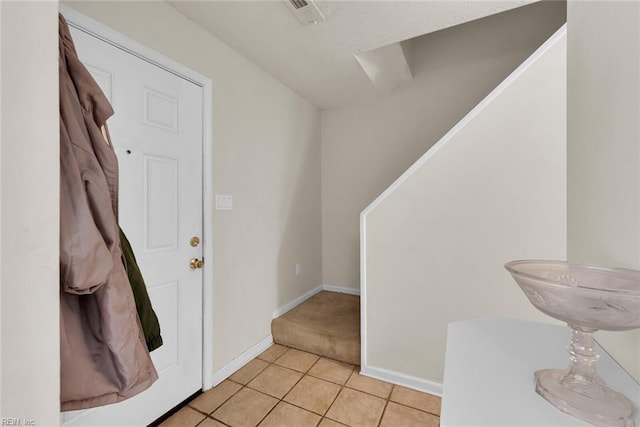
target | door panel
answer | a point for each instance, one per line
(157, 134)
(160, 198)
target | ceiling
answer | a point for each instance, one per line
(317, 61)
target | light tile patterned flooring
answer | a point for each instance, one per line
(285, 387)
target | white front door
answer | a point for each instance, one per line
(157, 134)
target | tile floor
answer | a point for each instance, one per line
(287, 387)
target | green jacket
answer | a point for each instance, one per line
(148, 318)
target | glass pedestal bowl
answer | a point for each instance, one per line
(588, 299)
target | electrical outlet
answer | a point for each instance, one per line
(297, 269)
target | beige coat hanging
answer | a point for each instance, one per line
(104, 358)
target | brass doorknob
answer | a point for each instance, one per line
(196, 263)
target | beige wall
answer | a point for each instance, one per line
(604, 146)
(29, 170)
(266, 154)
(366, 147)
(492, 191)
(1, 207)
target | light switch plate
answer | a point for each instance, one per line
(224, 202)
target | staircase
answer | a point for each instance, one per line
(491, 190)
(327, 324)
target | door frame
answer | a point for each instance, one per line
(97, 29)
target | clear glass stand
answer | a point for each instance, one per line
(579, 390)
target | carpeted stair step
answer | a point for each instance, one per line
(327, 324)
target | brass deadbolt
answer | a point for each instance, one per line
(195, 241)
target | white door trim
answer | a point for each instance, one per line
(99, 30)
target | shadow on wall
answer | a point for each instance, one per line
(366, 147)
(299, 214)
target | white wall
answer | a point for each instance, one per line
(266, 154)
(604, 146)
(492, 190)
(0, 209)
(366, 147)
(29, 169)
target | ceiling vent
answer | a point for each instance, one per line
(306, 11)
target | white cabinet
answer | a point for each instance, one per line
(488, 375)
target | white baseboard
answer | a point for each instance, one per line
(341, 289)
(302, 298)
(404, 380)
(227, 370)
